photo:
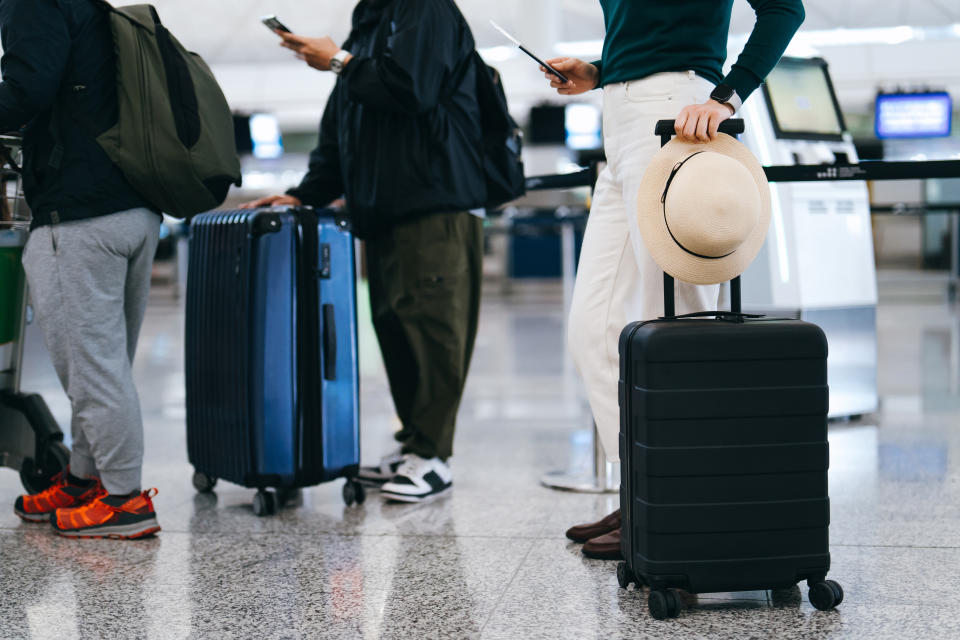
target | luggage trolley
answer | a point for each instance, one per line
(31, 441)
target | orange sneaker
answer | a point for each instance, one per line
(60, 495)
(109, 517)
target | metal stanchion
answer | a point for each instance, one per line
(954, 285)
(604, 477)
(601, 476)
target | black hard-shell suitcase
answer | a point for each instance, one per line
(724, 455)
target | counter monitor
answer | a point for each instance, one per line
(914, 115)
(803, 104)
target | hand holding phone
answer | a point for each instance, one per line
(580, 76)
(274, 24)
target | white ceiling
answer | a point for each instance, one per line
(257, 75)
(228, 31)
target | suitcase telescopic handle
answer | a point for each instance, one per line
(666, 130)
(669, 305)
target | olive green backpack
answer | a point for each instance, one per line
(174, 140)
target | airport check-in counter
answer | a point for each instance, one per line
(818, 263)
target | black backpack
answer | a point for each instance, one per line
(502, 139)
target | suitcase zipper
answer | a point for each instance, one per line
(626, 460)
(309, 337)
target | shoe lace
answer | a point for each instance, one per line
(96, 503)
(142, 500)
(411, 466)
(56, 483)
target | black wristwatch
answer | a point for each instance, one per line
(725, 94)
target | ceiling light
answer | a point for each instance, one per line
(840, 37)
(580, 49)
(498, 54)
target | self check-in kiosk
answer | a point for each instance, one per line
(818, 262)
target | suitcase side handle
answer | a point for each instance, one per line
(329, 343)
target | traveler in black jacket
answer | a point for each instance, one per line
(88, 260)
(400, 139)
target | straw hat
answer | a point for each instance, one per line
(704, 209)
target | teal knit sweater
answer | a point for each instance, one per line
(652, 36)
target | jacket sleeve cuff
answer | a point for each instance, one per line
(599, 65)
(350, 66)
(298, 193)
(742, 81)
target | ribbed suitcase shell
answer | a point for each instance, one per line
(271, 348)
(724, 454)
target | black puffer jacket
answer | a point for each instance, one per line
(401, 134)
(60, 52)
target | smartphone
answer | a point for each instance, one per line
(274, 24)
(543, 64)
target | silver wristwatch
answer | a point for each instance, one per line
(338, 62)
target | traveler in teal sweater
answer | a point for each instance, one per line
(661, 59)
(645, 37)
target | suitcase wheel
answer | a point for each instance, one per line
(826, 595)
(203, 483)
(353, 493)
(264, 503)
(625, 576)
(665, 604)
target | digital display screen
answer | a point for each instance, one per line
(583, 125)
(914, 115)
(802, 102)
(265, 133)
(547, 124)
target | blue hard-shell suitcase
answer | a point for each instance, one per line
(271, 352)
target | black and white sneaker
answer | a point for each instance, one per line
(418, 480)
(382, 473)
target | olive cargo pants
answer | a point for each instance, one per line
(425, 279)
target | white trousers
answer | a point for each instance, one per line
(617, 280)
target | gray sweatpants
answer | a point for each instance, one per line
(89, 282)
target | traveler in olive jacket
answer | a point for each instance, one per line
(88, 260)
(400, 139)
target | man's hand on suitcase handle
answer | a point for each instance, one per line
(272, 201)
(700, 122)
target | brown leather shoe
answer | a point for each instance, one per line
(583, 532)
(605, 547)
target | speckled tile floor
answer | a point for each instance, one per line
(490, 561)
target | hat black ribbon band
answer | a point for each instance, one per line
(663, 201)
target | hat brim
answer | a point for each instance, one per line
(653, 227)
